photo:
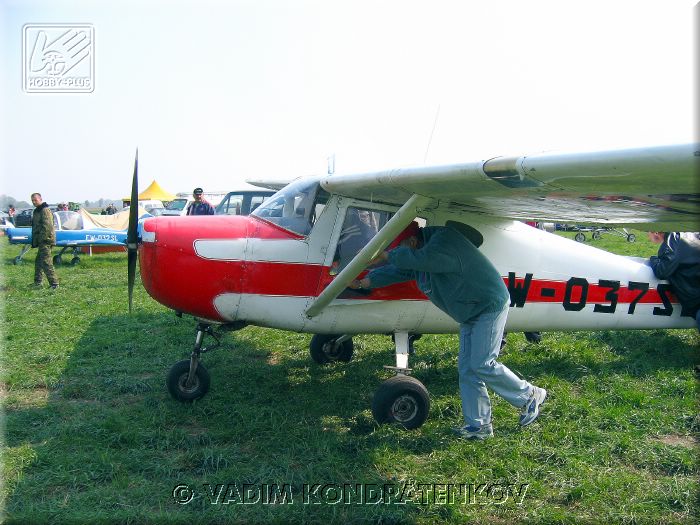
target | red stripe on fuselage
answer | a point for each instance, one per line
(176, 277)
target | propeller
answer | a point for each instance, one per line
(132, 231)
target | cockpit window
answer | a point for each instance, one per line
(359, 227)
(68, 220)
(295, 207)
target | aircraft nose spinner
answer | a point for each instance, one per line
(188, 263)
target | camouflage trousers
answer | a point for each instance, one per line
(44, 264)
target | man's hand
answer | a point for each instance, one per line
(359, 284)
(410, 242)
(379, 259)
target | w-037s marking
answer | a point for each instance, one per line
(606, 295)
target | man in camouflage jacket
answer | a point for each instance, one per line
(43, 238)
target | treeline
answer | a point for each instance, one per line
(6, 201)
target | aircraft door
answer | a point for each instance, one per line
(393, 308)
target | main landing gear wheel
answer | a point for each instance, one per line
(631, 237)
(596, 236)
(402, 400)
(17, 260)
(57, 260)
(177, 381)
(328, 348)
(580, 237)
(75, 260)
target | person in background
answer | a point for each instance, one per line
(43, 238)
(678, 261)
(462, 282)
(200, 206)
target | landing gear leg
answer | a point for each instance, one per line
(327, 348)
(402, 399)
(58, 259)
(25, 249)
(188, 379)
(76, 256)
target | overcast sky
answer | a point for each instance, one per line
(213, 93)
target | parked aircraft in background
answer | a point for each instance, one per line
(289, 263)
(76, 230)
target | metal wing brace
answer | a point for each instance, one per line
(391, 229)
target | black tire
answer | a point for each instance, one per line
(177, 377)
(75, 260)
(579, 237)
(402, 400)
(17, 260)
(631, 237)
(324, 351)
(57, 260)
(596, 236)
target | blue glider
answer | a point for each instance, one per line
(71, 234)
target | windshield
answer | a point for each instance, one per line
(68, 220)
(295, 207)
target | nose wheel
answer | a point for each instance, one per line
(188, 379)
(185, 388)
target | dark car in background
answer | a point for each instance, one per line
(23, 218)
(242, 202)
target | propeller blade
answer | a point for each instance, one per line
(132, 231)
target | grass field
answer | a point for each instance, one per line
(91, 434)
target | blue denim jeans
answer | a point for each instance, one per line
(479, 346)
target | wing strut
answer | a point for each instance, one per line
(391, 229)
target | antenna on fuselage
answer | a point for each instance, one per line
(430, 139)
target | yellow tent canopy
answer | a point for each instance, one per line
(154, 191)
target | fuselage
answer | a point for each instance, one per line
(266, 271)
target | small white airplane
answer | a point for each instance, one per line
(288, 265)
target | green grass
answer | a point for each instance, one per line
(92, 436)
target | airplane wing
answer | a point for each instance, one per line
(652, 188)
(101, 237)
(93, 242)
(269, 184)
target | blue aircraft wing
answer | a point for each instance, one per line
(93, 237)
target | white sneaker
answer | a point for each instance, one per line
(480, 433)
(532, 408)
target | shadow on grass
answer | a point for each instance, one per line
(106, 443)
(634, 353)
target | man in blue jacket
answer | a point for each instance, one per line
(200, 206)
(678, 261)
(462, 282)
